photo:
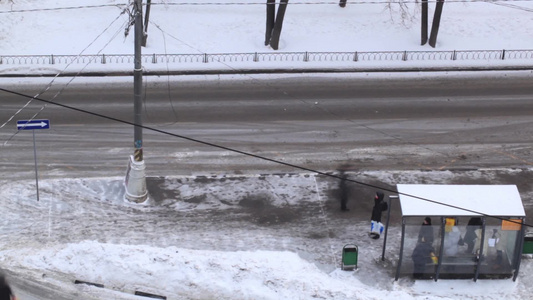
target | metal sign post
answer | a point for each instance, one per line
(35, 161)
(391, 197)
(32, 125)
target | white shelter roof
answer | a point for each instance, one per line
(447, 200)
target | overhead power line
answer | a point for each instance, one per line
(326, 2)
(513, 6)
(49, 85)
(253, 155)
(121, 6)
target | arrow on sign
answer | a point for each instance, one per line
(33, 124)
(42, 124)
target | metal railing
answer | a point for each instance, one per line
(462, 55)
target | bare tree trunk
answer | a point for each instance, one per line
(146, 21)
(270, 14)
(436, 23)
(276, 32)
(424, 22)
(342, 3)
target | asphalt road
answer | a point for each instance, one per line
(423, 121)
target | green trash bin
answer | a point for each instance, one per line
(349, 257)
(528, 245)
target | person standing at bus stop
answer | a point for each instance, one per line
(343, 190)
(426, 231)
(376, 227)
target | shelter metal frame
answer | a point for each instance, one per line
(514, 214)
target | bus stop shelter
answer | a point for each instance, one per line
(476, 231)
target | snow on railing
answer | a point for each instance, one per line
(271, 57)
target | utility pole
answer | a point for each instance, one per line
(135, 181)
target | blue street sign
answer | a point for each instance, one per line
(33, 124)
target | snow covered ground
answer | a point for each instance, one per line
(180, 27)
(194, 249)
(224, 237)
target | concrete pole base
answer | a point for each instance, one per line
(135, 182)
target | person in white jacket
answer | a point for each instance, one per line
(477, 245)
(451, 242)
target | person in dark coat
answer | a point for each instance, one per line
(470, 235)
(426, 233)
(343, 190)
(421, 258)
(5, 290)
(376, 228)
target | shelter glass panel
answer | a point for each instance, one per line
(420, 245)
(498, 256)
(457, 261)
